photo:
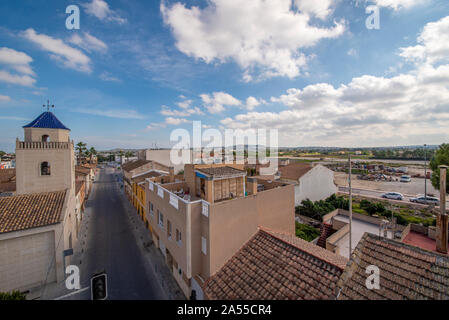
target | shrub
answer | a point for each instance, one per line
(306, 232)
(13, 295)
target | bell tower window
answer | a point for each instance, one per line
(45, 169)
(45, 138)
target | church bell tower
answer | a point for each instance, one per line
(45, 159)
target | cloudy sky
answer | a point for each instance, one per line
(135, 71)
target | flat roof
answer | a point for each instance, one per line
(359, 227)
(221, 172)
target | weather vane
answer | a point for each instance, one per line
(48, 106)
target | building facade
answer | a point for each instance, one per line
(201, 222)
(39, 223)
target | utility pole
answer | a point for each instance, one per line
(350, 207)
(425, 171)
(442, 218)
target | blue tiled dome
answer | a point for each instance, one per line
(46, 120)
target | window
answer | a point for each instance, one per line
(151, 210)
(161, 219)
(45, 169)
(203, 245)
(168, 229)
(45, 138)
(178, 237)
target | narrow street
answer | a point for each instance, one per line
(110, 246)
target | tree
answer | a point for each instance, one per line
(92, 151)
(441, 157)
(128, 154)
(80, 147)
(121, 153)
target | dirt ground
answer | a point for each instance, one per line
(416, 186)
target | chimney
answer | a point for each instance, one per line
(442, 218)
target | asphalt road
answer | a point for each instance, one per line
(111, 247)
(378, 194)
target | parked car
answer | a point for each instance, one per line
(406, 179)
(426, 200)
(393, 195)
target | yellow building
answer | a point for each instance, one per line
(138, 197)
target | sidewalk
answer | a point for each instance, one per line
(153, 256)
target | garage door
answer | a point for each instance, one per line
(24, 261)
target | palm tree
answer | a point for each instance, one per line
(128, 154)
(120, 153)
(92, 151)
(80, 147)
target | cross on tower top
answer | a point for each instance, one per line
(48, 106)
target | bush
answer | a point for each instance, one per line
(13, 295)
(318, 209)
(306, 232)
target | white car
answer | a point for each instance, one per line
(426, 200)
(406, 179)
(393, 195)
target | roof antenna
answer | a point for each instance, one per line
(48, 106)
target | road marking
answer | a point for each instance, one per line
(71, 294)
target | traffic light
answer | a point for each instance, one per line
(99, 287)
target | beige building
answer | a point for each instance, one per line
(39, 223)
(201, 222)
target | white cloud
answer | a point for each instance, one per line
(5, 98)
(166, 111)
(252, 103)
(320, 9)
(101, 10)
(264, 38)
(369, 110)
(396, 4)
(353, 52)
(175, 121)
(70, 57)
(88, 42)
(19, 61)
(106, 76)
(23, 80)
(155, 126)
(216, 102)
(184, 104)
(113, 113)
(433, 44)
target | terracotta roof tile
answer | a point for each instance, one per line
(30, 211)
(142, 177)
(294, 171)
(406, 272)
(131, 165)
(273, 266)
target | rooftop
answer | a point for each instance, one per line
(294, 171)
(46, 120)
(406, 272)
(30, 210)
(277, 266)
(221, 172)
(359, 227)
(142, 177)
(131, 165)
(7, 180)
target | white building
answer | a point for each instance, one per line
(311, 182)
